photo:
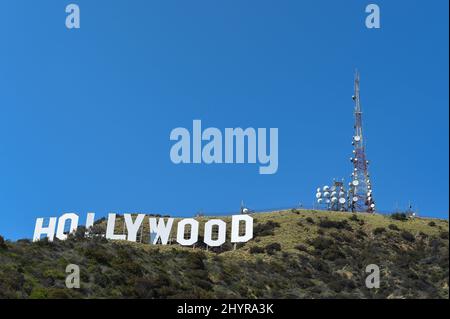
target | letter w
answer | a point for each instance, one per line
(160, 230)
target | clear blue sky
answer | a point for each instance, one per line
(85, 115)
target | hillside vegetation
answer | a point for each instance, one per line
(294, 254)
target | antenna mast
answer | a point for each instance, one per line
(360, 193)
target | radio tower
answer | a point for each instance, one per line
(360, 190)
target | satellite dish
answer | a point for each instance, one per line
(320, 200)
(327, 201)
(334, 199)
(326, 188)
(342, 200)
(341, 194)
(357, 138)
(372, 205)
(355, 183)
(318, 195)
(319, 189)
(245, 210)
(355, 198)
(326, 194)
(333, 194)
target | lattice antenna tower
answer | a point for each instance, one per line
(360, 188)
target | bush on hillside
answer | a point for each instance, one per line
(393, 227)
(321, 243)
(272, 248)
(406, 235)
(301, 247)
(266, 229)
(379, 230)
(399, 216)
(256, 250)
(444, 235)
(326, 223)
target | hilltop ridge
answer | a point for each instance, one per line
(294, 254)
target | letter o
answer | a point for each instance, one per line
(221, 234)
(62, 222)
(194, 232)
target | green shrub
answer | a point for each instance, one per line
(393, 227)
(423, 235)
(399, 216)
(341, 284)
(332, 254)
(326, 223)
(256, 250)
(272, 248)
(101, 279)
(379, 230)
(360, 234)
(11, 281)
(39, 293)
(309, 220)
(227, 246)
(322, 243)
(266, 229)
(97, 254)
(432, 224)
(406, 235)
(130, 267)
(196, 260)
(301, 247)
(444, 235)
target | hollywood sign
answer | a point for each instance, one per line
(160, 229)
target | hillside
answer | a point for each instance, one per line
(294, 254)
